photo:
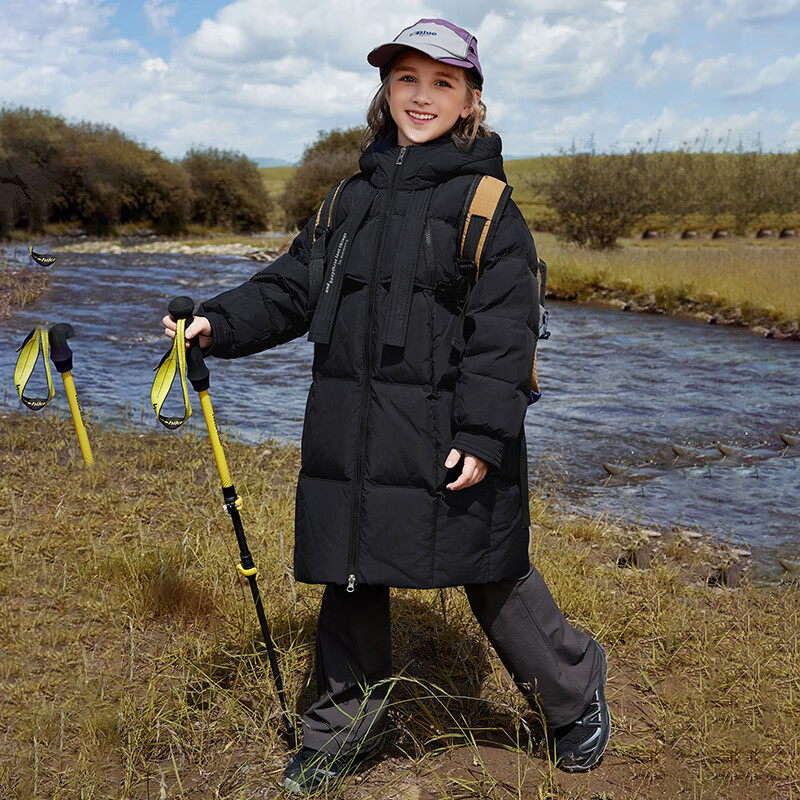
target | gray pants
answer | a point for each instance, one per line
(554, 665)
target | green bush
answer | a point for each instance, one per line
(91, 176)
(29, 143)
(331, 158)
(153, 190)
(599, 197)
(228, 191)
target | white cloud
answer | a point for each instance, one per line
(539, 60)
(725, 12)
(664, 64)
(784, 70)
(713, 132)
(792, 140)
(159, 13)
(263, 76)
(155, 65)
(714, 73)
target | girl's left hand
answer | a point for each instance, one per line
(473, 471)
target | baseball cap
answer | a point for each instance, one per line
(437, 38)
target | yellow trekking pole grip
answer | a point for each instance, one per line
(61, 354)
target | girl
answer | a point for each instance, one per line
(414, 469)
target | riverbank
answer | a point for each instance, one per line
(740, 282)
(129, 658)
(20, 284)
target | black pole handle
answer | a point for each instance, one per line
(196, 369)
(60, 351)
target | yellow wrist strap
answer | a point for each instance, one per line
(36, 341)
(172, 362)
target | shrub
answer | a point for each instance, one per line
(153, 190)
(84, 174)
(332, 157)
(228, 191)
(29, 141)
(597, 198)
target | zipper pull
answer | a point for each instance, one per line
(351, 583)
(401, 155)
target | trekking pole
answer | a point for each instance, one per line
(180, 309)
(53, 345)
(61, 354)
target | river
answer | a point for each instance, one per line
(619, 389)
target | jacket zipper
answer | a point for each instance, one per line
(430, 258)
(355, 533)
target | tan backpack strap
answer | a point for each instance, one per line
(483, 208)
(327, 210)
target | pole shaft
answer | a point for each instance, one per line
(213, 434)
(246, 559)
(77, 418)
(273, 660)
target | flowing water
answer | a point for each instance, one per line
(619, 390)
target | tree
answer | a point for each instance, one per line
(228, 191)
(330, 159)
(597, 198)
(84, 174)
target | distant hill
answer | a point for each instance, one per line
(263, 161)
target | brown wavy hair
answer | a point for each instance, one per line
(380, 124)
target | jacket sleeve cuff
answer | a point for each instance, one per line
(483, 447)
(221, 333)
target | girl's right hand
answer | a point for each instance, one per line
(200, 327)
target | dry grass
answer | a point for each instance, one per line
(131, 666)
(759, 276)
(19, 285)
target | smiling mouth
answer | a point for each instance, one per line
(420, 117)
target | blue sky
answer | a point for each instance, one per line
(264, 76)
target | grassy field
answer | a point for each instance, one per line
(755, 280)
(275, 180)
(131, 665)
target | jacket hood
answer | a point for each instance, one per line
(433, 162)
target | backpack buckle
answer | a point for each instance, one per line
(468, 270)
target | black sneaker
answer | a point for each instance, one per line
(311, 771)
(579, 746)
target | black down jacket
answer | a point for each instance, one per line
(390, 393)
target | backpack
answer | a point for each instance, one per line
(483, 207)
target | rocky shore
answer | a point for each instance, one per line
(693, 309)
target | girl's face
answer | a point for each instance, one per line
(426, 98)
